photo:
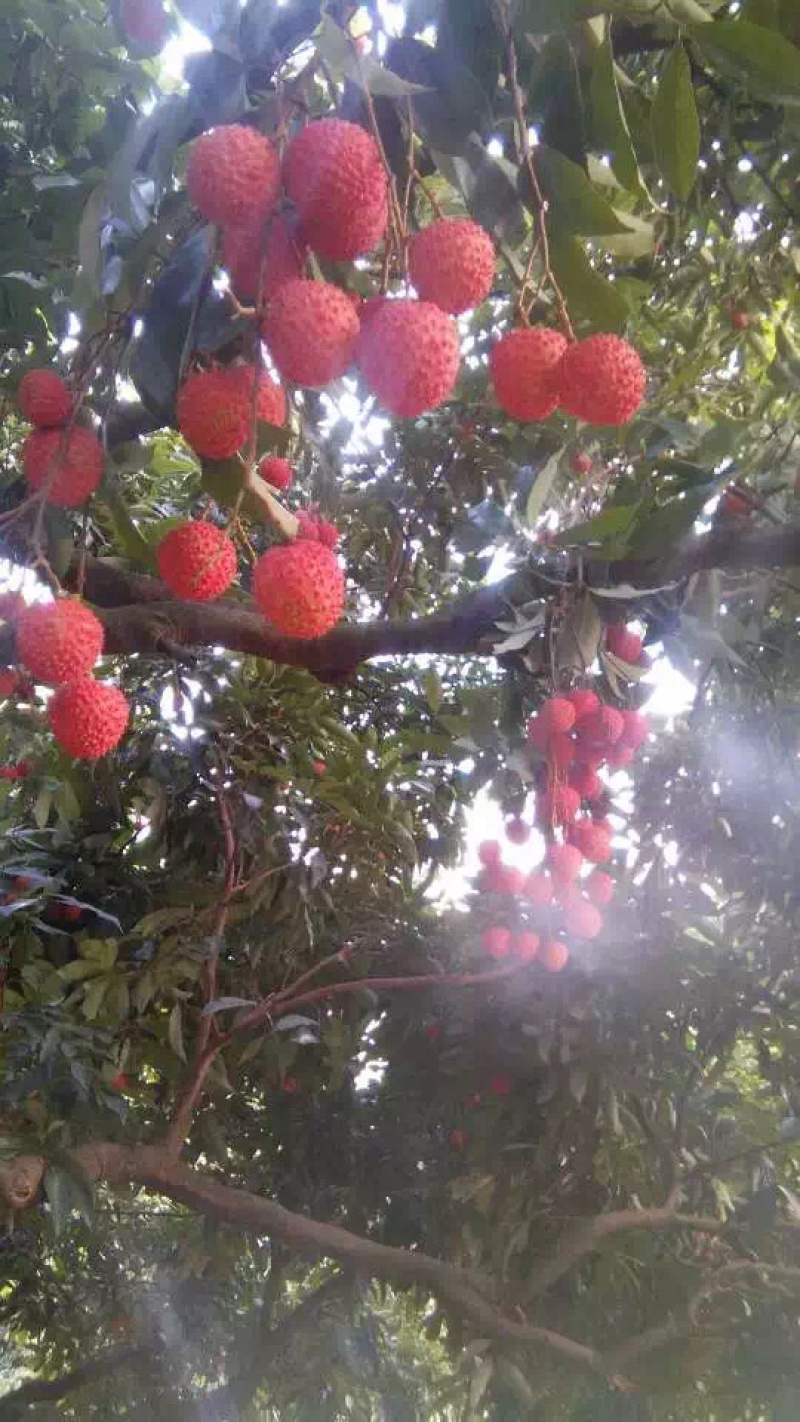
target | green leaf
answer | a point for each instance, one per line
(175, 1032)
(339, 54)
(89, 253)
(433, 689)
(764, 57)
(592, 301)
(542, 484)
(610, 132)
(93, 997)
(574, 204)
(613, 527)
(67, 1191)
(676, 126)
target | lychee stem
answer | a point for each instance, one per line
(273, 509)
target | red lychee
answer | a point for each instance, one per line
(68, 466)
(300, 588)
(9, 681)
(559, 805)
(311, 329)
(489, 853)
(586, 781)
(560, 752)
(44, 399)
(732, 504)
(451, 263)
(602, 729)
(496, 942)
(636, 729)
(88, 718)
(593, 839)
(501, 1084)
(583, 920)
(409, 356)
(517, 831)
(624, 643)
(740, 320)
(558, 715)
(601, 380)
(334, 174)
(233, 175)
(564, 861)
(59, 641)
(525, 368)
(554, 955)
(581, 463)
(525, 946)
(585, 701)
(276, 471)
(145, 23)
(213, 408)
(458, 1140)
(283, 260)
(196, 561)
(600, 888)
(319, 530)
(538, 889)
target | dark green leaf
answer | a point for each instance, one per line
(613, 527)
(574, 204)
(610, 132)
(767, 60)
(676, 125)
(593, 302)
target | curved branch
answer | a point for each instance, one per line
(90, 1372)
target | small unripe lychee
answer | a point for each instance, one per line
(196, 561)
(88, 718)
(59, 641)
(525, 368)
(44, 399)
(276, 471)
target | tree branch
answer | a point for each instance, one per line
(91, 1371)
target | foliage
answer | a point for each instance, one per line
(181, 924)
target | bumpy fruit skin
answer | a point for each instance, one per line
(9, 681)
(276, 471)
(538, 889)
(69, 473)
(334, 175)
(554, 955)
(604, 728)
(213, 408)
(489, 853)
(564, 862)
(517, 831)
(593, 839)
(602, 380)
(44, 399)
(635, 730)
(585, 701)
(557, 714)
(409, 356)
(496, 942)
(451, 263)
(145, 22)
(586, 781)
(59, 641)
(196, 561)
(300, 588)
(525, 368)
(311, 329)
(583, 920)
(319, 530)
(233, 175)
(600, 888)
(623, 643)
(559, 805)
(284, 257)
(88, 718)
(525, 946)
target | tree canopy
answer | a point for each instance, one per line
(310, 1107)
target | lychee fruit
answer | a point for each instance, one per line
(300, 588)
(525, 946)
(636, 729)
(558, 715)
(559, 805)
(624, 643)
(233, 175)
(501, 1084)
(585, 701)
(311, 329)
(451, 263)
(586, 781)
(496, 942)
(583, 920)
(319, 530)
(732, 504)
(740, 320)
(196, 561)
(276, 471)
(538, 889)
(64, 466)
(59, 641)
(409, 356)
(213, 408)
(44, 399)
(602, 729)
(525, 367)
(593, 839)
(145, 23)
(334, 174)
(600, 888)
(284, 257)
(581, 463)
(88, 718)
(564, 861)
(517, 831)
(489, 853)
(560, 752)
(9, 681)
(320, 768)
(503, 879)
(602, 380)
(554, 955)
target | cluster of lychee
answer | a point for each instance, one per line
(407, 349)
(58, 644)
(60, 459)
(572, 737)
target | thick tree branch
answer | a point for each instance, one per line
(92, 1371)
